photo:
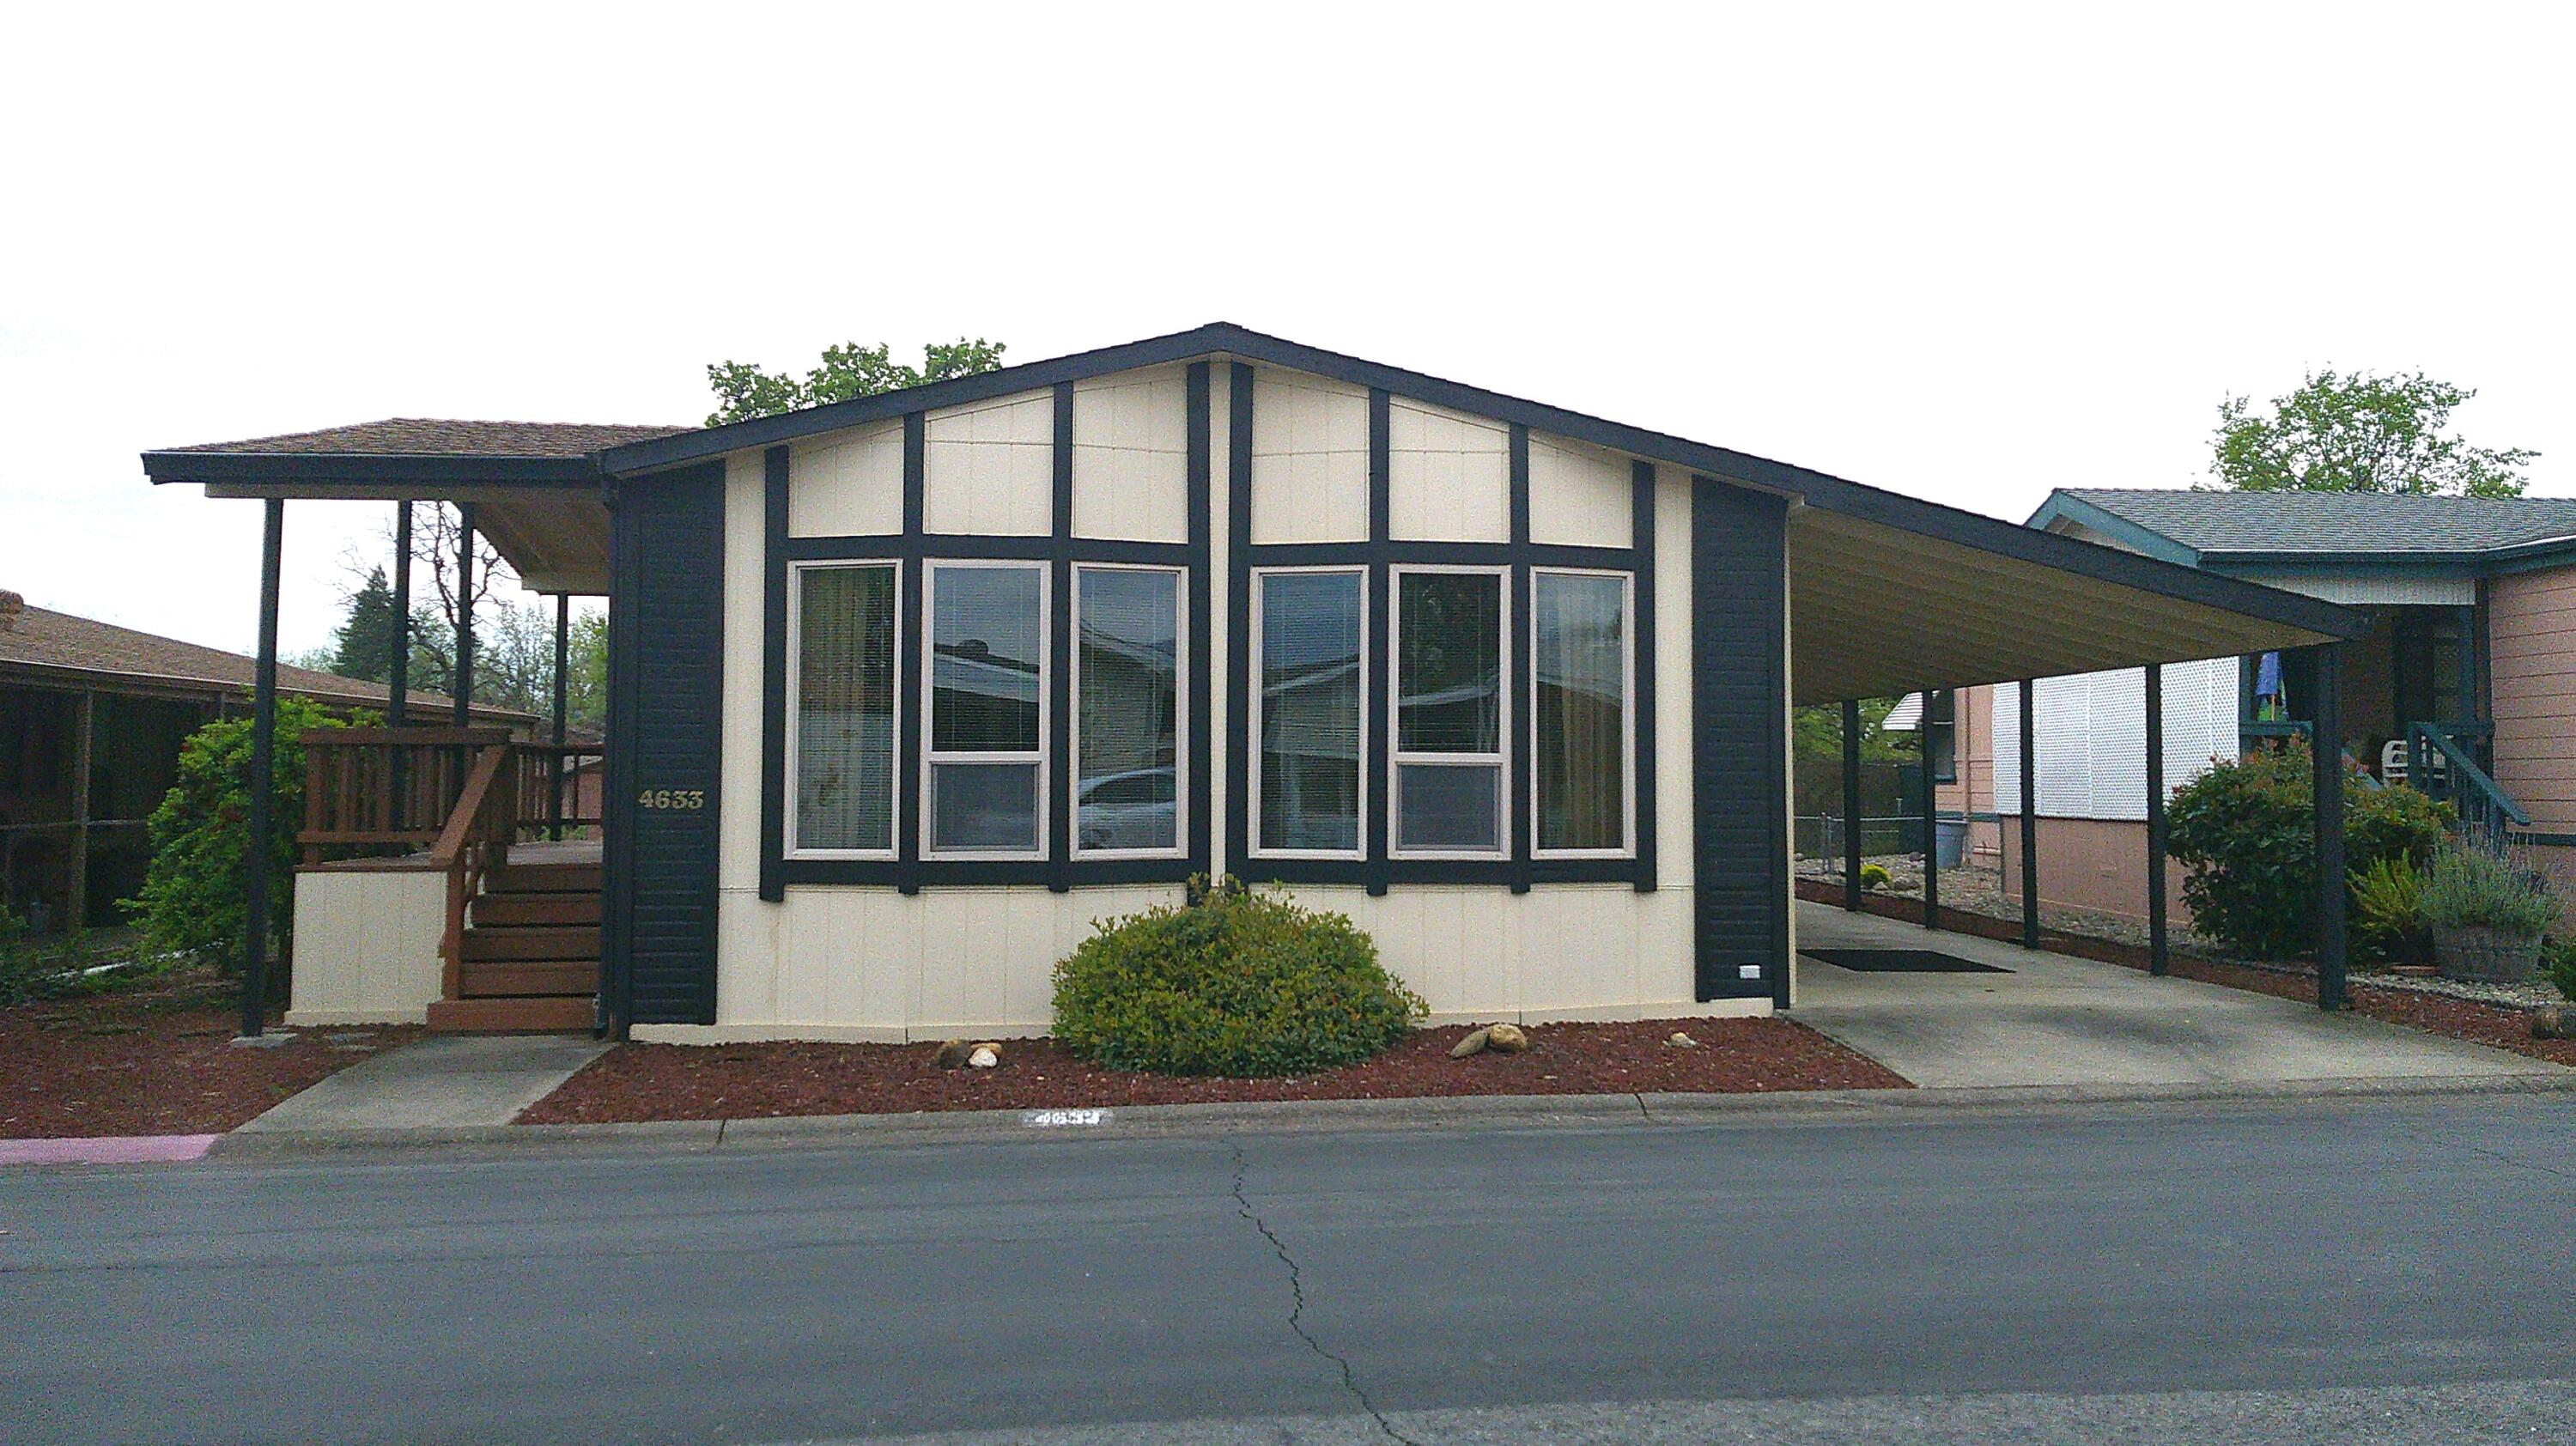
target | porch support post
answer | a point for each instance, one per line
(2029, 813)
(262, 780)
(555, 765)
(76, 908)
(1931, 818)
(1851, 804)
(2468, 661)
(2326, 747)
(398, 644)
(2159, 947)
(464, 614)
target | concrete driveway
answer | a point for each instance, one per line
(2057, 1020)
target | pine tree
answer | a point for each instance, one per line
(361, 647)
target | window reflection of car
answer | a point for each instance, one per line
(1132, 810)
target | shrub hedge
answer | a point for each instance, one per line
(1233, 983)
(2246, 831)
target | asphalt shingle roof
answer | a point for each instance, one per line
(433, 437)
(2342, 522)
(40, 637)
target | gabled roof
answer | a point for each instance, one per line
(1814, 489)
(2312, 526)
(101, 654)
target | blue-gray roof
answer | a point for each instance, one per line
(2340, 523)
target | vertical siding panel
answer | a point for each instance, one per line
(1739, 678)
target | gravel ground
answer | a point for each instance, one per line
(701, 1082)
(154, 1060)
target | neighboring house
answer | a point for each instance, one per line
(2472, 629)
(91, 719)
(896, 683)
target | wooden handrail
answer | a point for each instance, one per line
(470, 805)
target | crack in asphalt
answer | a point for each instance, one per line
(2521, 1164)
(1297, 1302)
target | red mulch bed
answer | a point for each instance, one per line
(739, 1081)
(155, 1060)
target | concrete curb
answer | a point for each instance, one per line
(1498, 1112)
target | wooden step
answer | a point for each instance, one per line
(533, 976)
(518, 878)
(561, 1014)
(491, 910)
(533, 941)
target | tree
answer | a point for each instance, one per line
(362, 647)
(744, 391)
(2358, 432)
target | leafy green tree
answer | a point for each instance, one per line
(1817, 732)
(743, 390)
(2358, 432)
(192, 901)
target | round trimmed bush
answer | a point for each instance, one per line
(1233, 983)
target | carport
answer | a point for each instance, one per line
(1923, 598)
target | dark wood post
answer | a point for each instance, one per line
(2159, 947)
(262, 781)
(1931, 817)
(555, 763)
(85, 725)
(2030, 813)
(2326, 745)
(398, 641)
(464, 614)
(1851, 804)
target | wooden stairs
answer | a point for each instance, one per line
(529, 955)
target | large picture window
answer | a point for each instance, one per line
(986, 760)
(1128, 693)
(1583, 738)
(1307, 627)
(842, 742)
(1450, 711)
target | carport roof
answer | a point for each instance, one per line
(1889, 592)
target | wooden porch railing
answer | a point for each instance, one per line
(388, 788)
(475, 842)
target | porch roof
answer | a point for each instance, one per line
(1889, 593)
(534, 485)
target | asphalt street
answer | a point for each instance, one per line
(2386, 1270)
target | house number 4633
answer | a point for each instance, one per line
(674, 798)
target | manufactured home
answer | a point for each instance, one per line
(908, 692)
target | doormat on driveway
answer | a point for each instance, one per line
(1901, 961)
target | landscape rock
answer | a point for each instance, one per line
(1506, 1039)
(1681, 1041)
(985, 1056)
(953, 1052)
(1472, 1041)
(2555, 1021)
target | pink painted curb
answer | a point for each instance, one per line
(107, 1150)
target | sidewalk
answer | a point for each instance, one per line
(441, 1083)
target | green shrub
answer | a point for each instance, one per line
(2246, 831)
(1873, 876)
(193, 901)
(1235, 983)
(2479, 888)
(2558, 964)
(2388, 910)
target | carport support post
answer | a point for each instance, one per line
(2029, 813)
(1851, 804)
(464, 614)
(2326, 748)
(2159, 947)
(555, 765)
(1931, 819)
(398, 644)
(262, 781)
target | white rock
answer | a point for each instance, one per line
(984, 1057)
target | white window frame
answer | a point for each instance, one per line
(795, 694)
(1398, 760)
(1252, 743)
(1181, 684)
(931, 758)
(1627, 711)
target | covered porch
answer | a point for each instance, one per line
(459, 866)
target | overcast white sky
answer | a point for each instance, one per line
(1967, 255)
